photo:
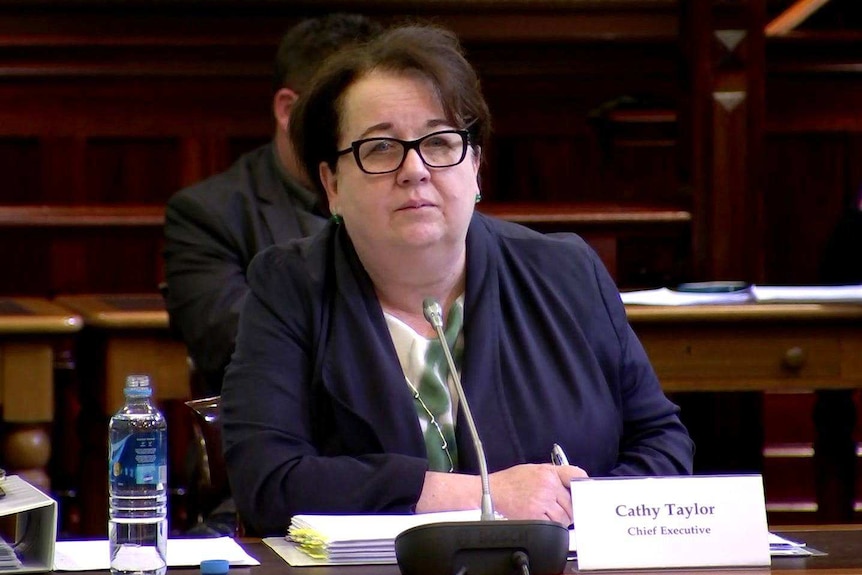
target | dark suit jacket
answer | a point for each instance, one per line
(317, 417)
(212, 231)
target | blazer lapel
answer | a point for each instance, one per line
(362, 371)
(482, 370)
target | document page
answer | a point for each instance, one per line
(93, 555)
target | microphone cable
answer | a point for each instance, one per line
(519, 559)
(522, 562)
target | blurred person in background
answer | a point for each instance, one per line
(214, 228)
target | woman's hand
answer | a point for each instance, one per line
(526, 491)
(535, 491)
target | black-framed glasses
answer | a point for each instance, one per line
(442, 149)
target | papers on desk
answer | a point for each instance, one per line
(93, 555)
(9, 560)
(752, 294)
(665, 296)
(352, 539)
(370, 539)
(781, 547)
(803, 294)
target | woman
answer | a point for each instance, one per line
(329, 404)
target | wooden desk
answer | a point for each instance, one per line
(29, 328)
(702, 348)
(752, 347)
(842, 543)
(766, 347)
(132, 337)
(122, 335)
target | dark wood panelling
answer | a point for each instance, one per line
(532, 169)
(132, 170)
(812, 158)
(722, 129)
(58, 260)
(125, 106)
(19, 161)
(787, 418)
(805, 103)
(143, 104)
(806, 175)
(26, 261)
(662, 258)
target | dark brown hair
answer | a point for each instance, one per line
(431, 51)
(305, 46)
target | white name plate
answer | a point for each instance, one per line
(659, 522)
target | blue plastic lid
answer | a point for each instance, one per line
(138, 386)
(214, 566)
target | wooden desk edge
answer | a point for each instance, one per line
(744, 312)
(128, 320)
(98, 313)
(35, 325)
(818, 527)
(44, 317)
(583, 213)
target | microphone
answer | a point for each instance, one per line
(487, 546)
(434, 315)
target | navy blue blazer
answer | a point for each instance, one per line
(317, 417)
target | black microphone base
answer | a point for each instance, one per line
(482, 547)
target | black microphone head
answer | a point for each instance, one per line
(433, 312)
(483, 548)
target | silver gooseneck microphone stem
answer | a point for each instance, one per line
(434, 314)
(483, 547)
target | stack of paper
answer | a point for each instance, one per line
(754, 293)
(665, 296)
(370, 539)
(802, 294)
(8, 558)
(352, 539)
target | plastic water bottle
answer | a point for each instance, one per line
(137, 483)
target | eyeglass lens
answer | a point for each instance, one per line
(438, 150)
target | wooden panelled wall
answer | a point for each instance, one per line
(106, 109)
(729, 157)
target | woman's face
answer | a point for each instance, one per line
(416, 205)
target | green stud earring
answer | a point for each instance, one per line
(336, 219)
(478, 198)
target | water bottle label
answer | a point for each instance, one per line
(139, 459)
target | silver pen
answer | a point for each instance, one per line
(558, 456)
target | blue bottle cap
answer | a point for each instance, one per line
(214, 566)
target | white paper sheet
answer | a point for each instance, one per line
(808, 294)
(780, 547)
(756, 293)
(93, 555)
(665, 296)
